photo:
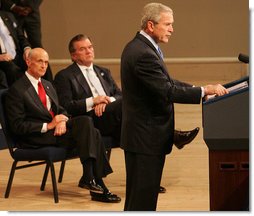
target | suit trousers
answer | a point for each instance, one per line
(3, 81)
(88, 141)
(32, 26)
(143, 177)
(109, 123)
(81, 136)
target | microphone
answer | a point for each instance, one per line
(243, 58)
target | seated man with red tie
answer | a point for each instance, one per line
(37, 120)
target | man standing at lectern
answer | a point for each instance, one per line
(149, 94)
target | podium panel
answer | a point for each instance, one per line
(226, 134)
(226, 121)
(229, 180)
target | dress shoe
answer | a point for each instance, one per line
(162, 190)
(91, 185)
(181, 138)
(107, 196)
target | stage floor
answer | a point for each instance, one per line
(185, 176)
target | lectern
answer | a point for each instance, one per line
(226, 134)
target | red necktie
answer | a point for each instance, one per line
(42, 95)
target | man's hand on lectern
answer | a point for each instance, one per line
(217, 90)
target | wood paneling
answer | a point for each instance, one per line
(202, 28)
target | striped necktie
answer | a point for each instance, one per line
(94, 80)
(160, 52)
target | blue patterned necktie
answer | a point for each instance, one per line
(160, 52)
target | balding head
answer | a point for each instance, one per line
(37, 62)
(37, 52)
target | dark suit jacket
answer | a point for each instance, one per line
(31, 23)
(148, 97)
(15, 31)
(14, 69)
(73, 89)
(34, 4)
(26, 113)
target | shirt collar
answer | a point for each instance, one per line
(32, 79)
(83, 67)
(149, 38)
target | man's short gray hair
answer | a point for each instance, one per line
(152, 12)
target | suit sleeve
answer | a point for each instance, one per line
(16, 114)
(17, 32)
(23, 42)
(64, 90)
(150, 71)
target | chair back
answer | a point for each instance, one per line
(7, 138)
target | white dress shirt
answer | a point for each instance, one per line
(8, 42)
(35, 85)
(89, 101)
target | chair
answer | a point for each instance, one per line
(33, 157)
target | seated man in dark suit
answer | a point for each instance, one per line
(37, 120)
(79, 95)
(87, 89)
